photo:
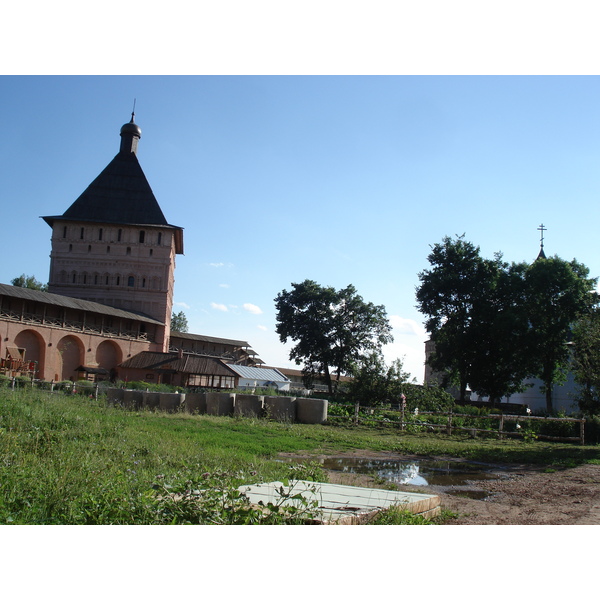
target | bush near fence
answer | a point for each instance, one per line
(473, 421)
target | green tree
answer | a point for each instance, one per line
(500, 362)
(450, 296)
(373, 382)
(30, 282)
(332, 329)
(179, 322)
(586, 361)
(558, 293)
(494, 325)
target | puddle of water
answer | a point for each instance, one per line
(451, 477)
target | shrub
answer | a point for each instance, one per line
(426, 398)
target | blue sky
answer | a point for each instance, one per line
(338, 179)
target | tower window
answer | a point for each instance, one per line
(159, 238)
(65, 231)
(144, 282)
(89, 248)
(142, 236)
(118, 280)
(81, 233)
(70, 247)
(130, 281)
(150, 251)
(128, 251)
(107, 249)
(74, 279)
(119, 235)
(100, 233)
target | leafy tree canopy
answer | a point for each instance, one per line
(586, 361)
(332, 329)
(453, 295)
(179, 322)
(495, 324)
(558, 293)
(373, 382)
(30, 282)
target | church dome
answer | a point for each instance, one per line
(131, 128)
(130, 135)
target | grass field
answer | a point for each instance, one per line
(70, 459)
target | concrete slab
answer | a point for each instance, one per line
(341, 504)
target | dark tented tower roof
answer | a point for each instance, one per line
(121, 193)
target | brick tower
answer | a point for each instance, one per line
(113, 245)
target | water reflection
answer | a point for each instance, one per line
(449, 476)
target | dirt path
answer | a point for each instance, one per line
(519, 496)
(567, 497)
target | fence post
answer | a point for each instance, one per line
(356, 410)
(501, 427)
(582, 432)
(449, 428)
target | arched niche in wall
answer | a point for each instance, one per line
(71, 355)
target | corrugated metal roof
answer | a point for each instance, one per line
(259, 373)
(73, 303)
(298, 373)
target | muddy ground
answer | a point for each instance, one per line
(520, 495)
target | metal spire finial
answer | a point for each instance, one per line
(541, 229)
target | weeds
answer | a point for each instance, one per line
(396, 515)
(68, 459)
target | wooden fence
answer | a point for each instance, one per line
(449, 426)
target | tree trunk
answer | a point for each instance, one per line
(549, 407)
(328, 379)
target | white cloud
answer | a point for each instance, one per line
(252, 308)
(263, 328)
(216, 265)
(224, 285)
(182, 305)
(220, 307)
(405, 326)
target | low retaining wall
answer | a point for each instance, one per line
(195, 402)
(248, 405)
(311, 410)
(278, 408)
(219, 404)
(171, 402)
(152, 400)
